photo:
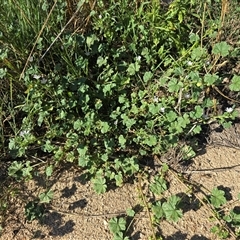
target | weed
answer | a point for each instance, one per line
(105, 84)
(229, 222)
(116, 227)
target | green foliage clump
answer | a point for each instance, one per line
(135, 84)
(106, 84)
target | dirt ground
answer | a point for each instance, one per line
(77, 212)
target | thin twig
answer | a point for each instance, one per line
(230, 99)
(203, 19)
(60, 33)
(146, 205)
(85, 215)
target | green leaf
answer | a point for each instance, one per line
(174, 85)
(80, 4)
(70, 157)
(15, 169)
(98, 104)
(210, 79)
(187, 152)
(235, 83)
(158, 186)
(90, 40)
(118, 163)
(117, 225)
(3, 53)
(26, 171)
(77, 124)
(221, 48)
(83, 158)
(3, 72)
(197, 53)
(198, 112)
(108, 88)
(130, 212)
(49, 171)
(151, 140)
(48, 147)
(120, 236)
(34, 210)
(227, 218)
(170, 209)
(99, 185)
(46, 197)
(83, 161)
(217, 198)
(235, 217)
(129, 122)
(175, 127)
(12, 144)
(104, 127)
(183, 121)
(193, 37)
(129, 166)
(158, 210)
(150, 124)
(227, 124)
(42, 116)
(145, 52)
(102, 61)
(119, 179)
(122, 140)
(133, 68)
(62, 114)
(122, 98)
(179, 71)
(154, 109)
(104, 157)
(171, 116)
(164, 168)
(194, 76)
(147, 76)
(134, 109)
(220, 231)
(142, 94)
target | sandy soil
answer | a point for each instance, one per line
(77, 212)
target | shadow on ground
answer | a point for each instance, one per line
(57, 227)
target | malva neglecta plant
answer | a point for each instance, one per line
(119, 105)
(129, 80)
